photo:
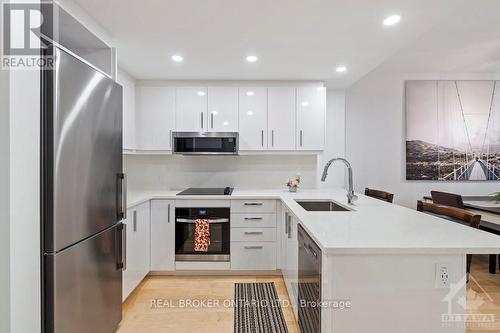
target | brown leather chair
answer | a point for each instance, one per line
(455, 200)
(454, 214)
(378, 194)
(447, 199)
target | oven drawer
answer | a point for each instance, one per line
(262, 220)
(253, 234)
(253, 256)
(253, 206)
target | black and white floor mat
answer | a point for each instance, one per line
(257, 309)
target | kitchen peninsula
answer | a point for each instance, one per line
(384, 259)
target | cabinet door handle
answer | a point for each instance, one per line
(286, 223)
(201, 117)
(262, 137)
(253, 203)
(310, 250)
(253, 247)
(272, 138)
(168, 212)
(289, 226)
(170, 139)
(211, 120)
(134, 223)
(301, 138)
(253, 232)
(253, 218)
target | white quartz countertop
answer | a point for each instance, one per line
(373, 227)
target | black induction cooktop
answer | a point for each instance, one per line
(207, 191)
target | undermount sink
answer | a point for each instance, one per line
(322, 206)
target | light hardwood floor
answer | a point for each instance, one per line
(140, 316)
(483, 296)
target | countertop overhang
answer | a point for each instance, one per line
(373, 227)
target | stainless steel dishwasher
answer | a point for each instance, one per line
(309, 284)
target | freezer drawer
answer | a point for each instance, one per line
(83, 285)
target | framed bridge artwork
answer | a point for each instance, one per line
(453, 130)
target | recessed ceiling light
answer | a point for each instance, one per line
(214, 112)
(304, 103)
(320, 88)
(250, 113)
(391, 20)
(340, 69)
(177, 58)
(252, 58)
(201, 93)
(226, 123)
(250, 93)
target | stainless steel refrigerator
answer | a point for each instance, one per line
(83, 197)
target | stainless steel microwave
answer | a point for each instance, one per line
(205, 143)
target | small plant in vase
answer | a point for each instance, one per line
(496, 197)
(293, 184)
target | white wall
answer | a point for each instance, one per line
(4, 203)
(25, 201)
(375, 137)
(245, 171)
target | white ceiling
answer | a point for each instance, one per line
(294, 39)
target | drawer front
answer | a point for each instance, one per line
(253, 206)
(253, 256)
(246, 220)
(253, 234)
(201, 203)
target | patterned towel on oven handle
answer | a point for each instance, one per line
(201, 235)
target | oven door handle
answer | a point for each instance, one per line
(210, 221)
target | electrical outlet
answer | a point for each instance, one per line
(442, 276)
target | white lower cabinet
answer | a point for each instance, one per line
(253, 235)
(253, 255)
(137, 247)
(254, 243)
(253, 206)
(162, 235)
(290, 256)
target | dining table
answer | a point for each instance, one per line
(489, 209)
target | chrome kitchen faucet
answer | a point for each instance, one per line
(350, 192)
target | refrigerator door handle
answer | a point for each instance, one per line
(122, 247)
(122, 196)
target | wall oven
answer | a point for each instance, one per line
(220, 230)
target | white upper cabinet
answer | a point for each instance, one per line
(155, 117)
(253, 118)
(129, 121)
(191, 109)
(222, 109)
(311, 105)
(281, 118)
